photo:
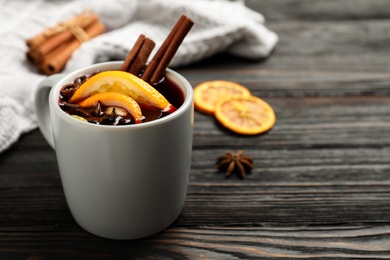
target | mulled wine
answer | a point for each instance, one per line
(115, 115)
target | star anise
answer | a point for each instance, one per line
(238, 163)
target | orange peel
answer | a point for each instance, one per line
(115, 99)
(120, 82)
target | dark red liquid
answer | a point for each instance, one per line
(99, 115)
(171, 92)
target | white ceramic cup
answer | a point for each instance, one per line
(120, 182)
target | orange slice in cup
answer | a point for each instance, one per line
(121, 82)
(245, 115)
(207, 94)
(115, 99)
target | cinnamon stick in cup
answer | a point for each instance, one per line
(156, 68)
(138, 55)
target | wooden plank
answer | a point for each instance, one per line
(319, 10)
(209, 242)
(320, 187)
(344, 122)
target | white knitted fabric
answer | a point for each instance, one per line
(219, 26)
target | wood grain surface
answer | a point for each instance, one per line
(320, 188)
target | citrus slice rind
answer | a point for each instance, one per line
(245, 115)
(115, 99)
(207, 94)
(121, 82)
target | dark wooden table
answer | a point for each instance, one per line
(321, 183)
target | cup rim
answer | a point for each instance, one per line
(182, 82)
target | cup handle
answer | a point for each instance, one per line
(42, 110)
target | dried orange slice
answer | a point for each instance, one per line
(121, 82)
(115, 99)
(207, 94)
(245, 115)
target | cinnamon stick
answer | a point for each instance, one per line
(51, 49)
(138, 55)
(140, 60)
(82, 20)
(146, 75)
(133, 53)
(171, 51)
(50, 43)
(156, 68)
(57, 59)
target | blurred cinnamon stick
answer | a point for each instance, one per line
(82, 20)
(51, 49)
(57, 59)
